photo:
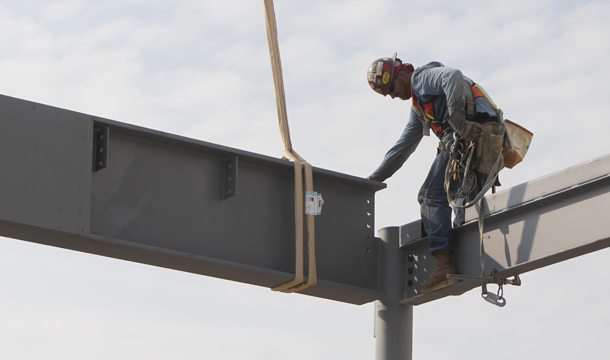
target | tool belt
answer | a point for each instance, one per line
(518, 140)
(508, 140)
(505, 137)
(489, 147)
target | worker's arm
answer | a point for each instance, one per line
(400, 152)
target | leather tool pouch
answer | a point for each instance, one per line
(489, 146)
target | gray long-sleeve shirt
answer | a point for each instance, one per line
(446, 89)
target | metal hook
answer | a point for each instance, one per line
(496, 299)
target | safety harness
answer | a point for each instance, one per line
(426, 111)
(483, 155)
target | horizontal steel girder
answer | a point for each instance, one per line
(98, 186)
(538, 223)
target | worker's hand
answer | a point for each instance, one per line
(473, 131)
(468, 130)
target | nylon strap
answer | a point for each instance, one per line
(481, 219)
(297, 284)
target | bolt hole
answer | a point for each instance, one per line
(410, 283)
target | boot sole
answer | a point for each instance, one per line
(441, 285)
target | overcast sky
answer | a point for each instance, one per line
(201, 69)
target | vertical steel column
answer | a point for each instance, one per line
(393, 321)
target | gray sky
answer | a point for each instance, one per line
(201, 69)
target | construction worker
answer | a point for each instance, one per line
(442, 101)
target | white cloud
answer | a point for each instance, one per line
(62, 10)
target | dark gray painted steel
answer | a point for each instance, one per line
(393, 320)
(100, 148)
(161, 200)
(230, 177)
(536, 224)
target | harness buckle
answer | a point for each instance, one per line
(470, 110)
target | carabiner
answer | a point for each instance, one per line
(496, 299)
(492, 298)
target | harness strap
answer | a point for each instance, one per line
(426, 110)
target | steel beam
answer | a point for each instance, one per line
(90, 184)
(536, 224)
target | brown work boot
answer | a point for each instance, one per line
(438, 279)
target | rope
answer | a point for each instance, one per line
(297, 284)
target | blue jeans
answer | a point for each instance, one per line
(435, 208)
